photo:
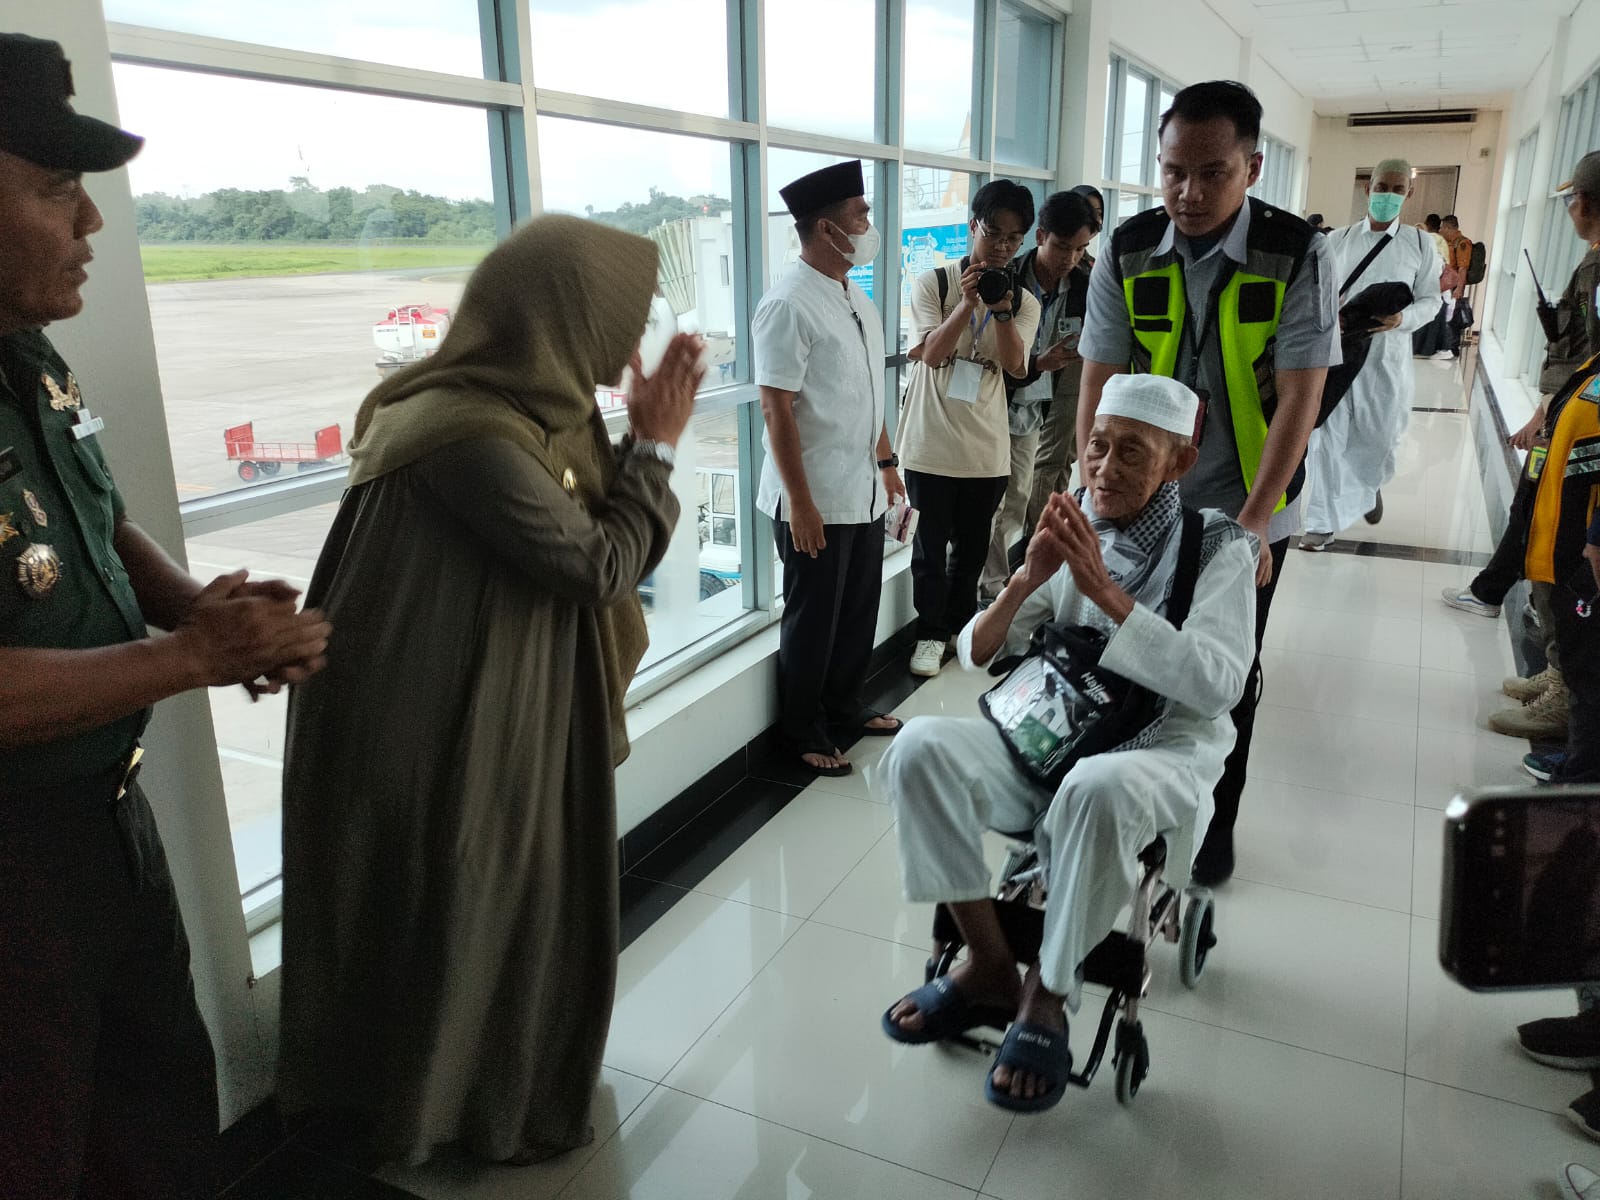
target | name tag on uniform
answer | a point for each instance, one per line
(87, 425)
(966, 377)
(10, 464)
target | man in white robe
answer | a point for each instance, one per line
(1353, 454)
(1108, 559)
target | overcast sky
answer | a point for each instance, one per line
(207, 132)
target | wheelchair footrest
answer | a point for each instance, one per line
(1117, 962)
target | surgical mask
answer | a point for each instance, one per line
(863, 246)
(1385, 206)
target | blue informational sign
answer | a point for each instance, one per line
(926, 248)
(862, 277)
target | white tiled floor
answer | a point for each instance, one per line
(1324, 1054)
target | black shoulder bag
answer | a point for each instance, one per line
(1058, 705)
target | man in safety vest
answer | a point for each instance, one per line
(1236, 299)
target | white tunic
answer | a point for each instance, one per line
(1353, 454)
(949, 778)
(824, 341)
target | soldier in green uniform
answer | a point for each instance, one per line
(107, 1080)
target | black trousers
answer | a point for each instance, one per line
(948, 553)
(108, 1086)
(1579, 639)
(1231, 786)
(830, 613)
(1506, 564)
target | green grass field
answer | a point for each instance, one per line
(174, 261)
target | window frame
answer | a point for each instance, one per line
(511, 100)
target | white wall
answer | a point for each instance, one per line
(1186, 42)
(1583, 46)
(1339, 152)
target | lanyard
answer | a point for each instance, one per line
(977, 329)
(1224, 276)
(1041, 336)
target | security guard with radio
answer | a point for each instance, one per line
(107, 1078)
(1237, 299)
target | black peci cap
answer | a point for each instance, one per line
(816, 191)
(37, 122)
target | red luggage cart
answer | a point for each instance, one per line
(262, 460)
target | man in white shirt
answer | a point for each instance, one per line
(1353, 454)
(1106, 558)
(829, 474)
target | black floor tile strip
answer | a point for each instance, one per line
(701, 846)
(1426, 554)
(296, 1173)
(1458, 411)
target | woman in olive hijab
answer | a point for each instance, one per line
(449, 821)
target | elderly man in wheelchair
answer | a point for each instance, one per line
(1167, 599)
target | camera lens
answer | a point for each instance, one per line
(994, 285)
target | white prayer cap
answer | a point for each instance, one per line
(1153, 399)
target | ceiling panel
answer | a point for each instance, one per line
(1356, 55)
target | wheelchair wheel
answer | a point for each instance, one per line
(1133, 1061)
(1196, 938)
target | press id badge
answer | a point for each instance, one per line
(1042, 388)
(1536, 458)
(966, 377)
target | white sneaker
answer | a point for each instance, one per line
(1463, 599)
(927, 658)
(1316, 542)
(1443, 355)
(1579, 1183)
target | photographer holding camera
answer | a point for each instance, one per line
(972, 325)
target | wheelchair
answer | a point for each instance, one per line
(1119, 963)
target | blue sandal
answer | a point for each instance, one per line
(945, 1013)
(1037, 1051)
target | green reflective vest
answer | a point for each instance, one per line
(1239, 328)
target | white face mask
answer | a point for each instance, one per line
(864, 247)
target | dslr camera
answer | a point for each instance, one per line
(996, 283)
(1521, 888)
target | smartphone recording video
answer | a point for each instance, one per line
(1521, 890)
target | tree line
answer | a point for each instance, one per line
(303, 213)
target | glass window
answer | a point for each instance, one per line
(291, 258)
(673, 189)
(937, 211)
(697, 588)
(1135, 129)
(439, 36)
(250, 734)
(783, 243)
(938, 76)
(639, 51)
(822, 66)
(1023, 87)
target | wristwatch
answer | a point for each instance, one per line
(885, 463)
(1001, 317)
(656, 450)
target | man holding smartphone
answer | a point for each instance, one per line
(1042, 406)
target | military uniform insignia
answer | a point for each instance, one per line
(39, 570)
(7, 529)
(36, 510)
(61, 401)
